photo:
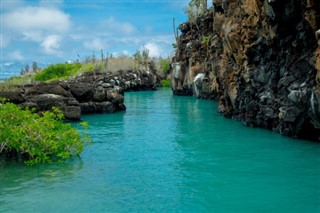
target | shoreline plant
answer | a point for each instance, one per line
(29, 137)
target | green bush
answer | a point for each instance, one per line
(166, 83)
(38, 139)
(57, 71)
(165, 65)
(86, 67)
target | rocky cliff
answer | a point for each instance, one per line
(260, 59)
(91, 92)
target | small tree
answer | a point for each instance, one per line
(101, 54)
(93, 57)
(165, 65)
(106, 63)
(22, 71)
(34, 66)
(145, 58)
(26, 68)
(137, 57)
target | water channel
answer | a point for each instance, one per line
(170, 154)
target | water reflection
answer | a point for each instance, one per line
(14, 174)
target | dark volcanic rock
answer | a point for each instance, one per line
(89, 93)
(261, 61)
(14, 97)
(82, 91)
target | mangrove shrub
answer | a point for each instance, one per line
(37, 139)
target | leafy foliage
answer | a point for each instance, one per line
(57, 71)
(38, 139)
(166, 83)
(137, 57)
(165, 65)
(86, 67)
(141, 59)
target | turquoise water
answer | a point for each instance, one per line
(171, 154)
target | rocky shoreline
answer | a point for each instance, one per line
(92, 92)
(259, 59)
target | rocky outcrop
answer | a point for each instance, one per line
(92, 92)
(260, 59)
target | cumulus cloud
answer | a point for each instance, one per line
(154, 49)
(51, 44)
(95, 44)
(37, 19)
(121, 53)
(43, 25)
(16, 56)
(125, 52)
(114, 26)
(36, 36)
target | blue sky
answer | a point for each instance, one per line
(54, 31)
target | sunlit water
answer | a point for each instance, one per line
(171, 154)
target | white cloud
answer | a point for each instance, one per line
(8, 64)
(16, 55)
(51, 44)
(121, 53)
(154, 49)
(44, 25)
(114, 26)
(95, 44)
(37, 19)
(125, 52)
(36, 36)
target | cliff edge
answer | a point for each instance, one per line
(260, 59)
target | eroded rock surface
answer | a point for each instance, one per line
(260, 59)
(89, 93)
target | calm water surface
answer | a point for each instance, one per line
(171, 154)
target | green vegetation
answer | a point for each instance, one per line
(18, 80)
(138, 61)
(12, 84)
(58, 71)
(86, 67)
(38, 139)
(164, 65)
(141, 59)
(166, 83)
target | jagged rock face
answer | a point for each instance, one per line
(43, 97)
(261, 62)
(88, 93)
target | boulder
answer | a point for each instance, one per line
(14, 96)
(91, 92)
